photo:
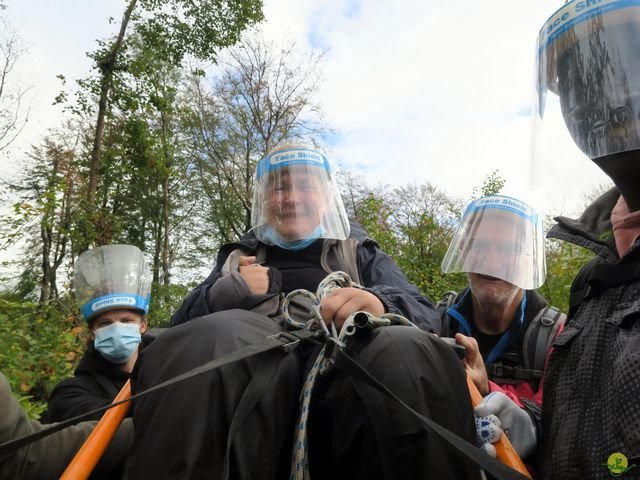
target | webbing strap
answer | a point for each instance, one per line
(285, 340)
(345, 363)
(252, 395)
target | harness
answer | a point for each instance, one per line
(517, 366)
(332, 355)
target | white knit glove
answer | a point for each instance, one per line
(497, 412)
(489, 431)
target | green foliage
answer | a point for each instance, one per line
(413, 224)
(38, 348)
(491, 185)
(175, 28)
(564, 260)
(165, 301)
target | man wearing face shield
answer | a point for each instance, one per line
(216, 425)
(112, 284)
(504, 324)
(589, 61)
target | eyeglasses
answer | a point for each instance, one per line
(505, 248)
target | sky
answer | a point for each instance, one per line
(416, 91)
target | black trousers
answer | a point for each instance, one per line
(240, 418)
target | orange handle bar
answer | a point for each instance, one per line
(504, 450)
(94, 446)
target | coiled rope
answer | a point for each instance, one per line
(360, 319)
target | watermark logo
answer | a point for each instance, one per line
(618, 464)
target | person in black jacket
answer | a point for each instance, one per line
(112, 284)
(239, 422)
(48, 457)
(588, 60)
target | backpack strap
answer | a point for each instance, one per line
(539, 336)
(509, 374)
(341, 255)
(448, 299)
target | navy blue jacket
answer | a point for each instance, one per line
(379, 274)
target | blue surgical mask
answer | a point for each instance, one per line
(118, 341)
(276, 239)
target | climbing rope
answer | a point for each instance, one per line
(357, 320)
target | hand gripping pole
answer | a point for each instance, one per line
(504, 450)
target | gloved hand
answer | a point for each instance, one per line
(489, 431)
(511, 419)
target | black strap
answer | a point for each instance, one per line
(500, 371)
(285, 340)
(253, 393)
(345, 363)
(448, 299)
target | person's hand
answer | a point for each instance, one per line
(488, 431)
(255, 275)
(513, 421)
(473, 363)
(342, 302)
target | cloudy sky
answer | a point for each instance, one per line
(418, 90)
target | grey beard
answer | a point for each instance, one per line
(503, 296)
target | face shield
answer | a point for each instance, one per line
(500, 237)
(296, 199)
(588, 88)
(112, 277)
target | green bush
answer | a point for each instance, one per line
(38, 349)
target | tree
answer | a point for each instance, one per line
(413, 223)
(43, 210)
(262, 95)
(174, 28)
(425, 218)
(14, 104)
(491, 185)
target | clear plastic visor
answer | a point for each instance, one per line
(502, 238)
(587, 87)
(110, 277)
(297, 199)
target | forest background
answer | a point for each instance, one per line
(157, 149)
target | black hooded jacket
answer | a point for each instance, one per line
(95, 383)
(591, 406)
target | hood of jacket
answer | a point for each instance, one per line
(93, 363)
(592, 230)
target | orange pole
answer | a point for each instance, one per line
(504, 450)
(94, 446)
